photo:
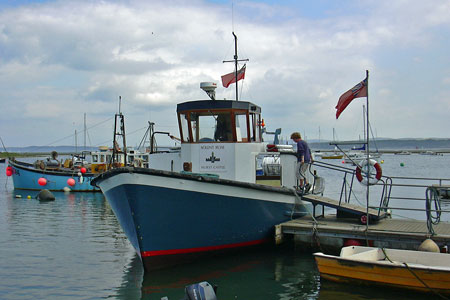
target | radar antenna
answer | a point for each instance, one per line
(209, 88)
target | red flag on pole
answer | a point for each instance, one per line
(231, 77)
(359, 90)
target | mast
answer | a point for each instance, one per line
(84, 132)
(149, 133)
(236, 64)
(76, 143)
(364, 123)
(119, 132)
(236, 60)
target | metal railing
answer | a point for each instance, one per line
(347, 187)
(433, 190)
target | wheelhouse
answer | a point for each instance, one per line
(221, 121)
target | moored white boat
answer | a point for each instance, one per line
(204, 198)
(356, 158)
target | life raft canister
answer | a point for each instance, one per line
(372, 180)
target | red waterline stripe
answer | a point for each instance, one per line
(201, 249)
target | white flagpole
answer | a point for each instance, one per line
(367, 147)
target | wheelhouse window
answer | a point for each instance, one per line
(255, 120)
(241, 127)
(211, 126)
(184, 128)
(223, 131)
(205, 127)
(219, 125)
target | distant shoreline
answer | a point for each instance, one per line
(438, 145)
(394, 151)
(388, 146)
(25, 154)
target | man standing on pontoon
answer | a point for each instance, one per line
(303, 160)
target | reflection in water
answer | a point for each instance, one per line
(131, 282)
(353, 291)
(280, 273)
(263, 274)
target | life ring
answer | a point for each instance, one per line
(372, 180)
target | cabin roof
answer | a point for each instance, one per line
(218, 104)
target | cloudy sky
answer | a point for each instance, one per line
(62, 59)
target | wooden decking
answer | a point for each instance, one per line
(348, 223)
(408, 233)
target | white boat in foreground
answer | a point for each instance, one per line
(418, 270)
(356, 158)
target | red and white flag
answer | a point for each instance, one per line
(359, 90)
(231, 77)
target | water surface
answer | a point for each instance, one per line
(74, 248)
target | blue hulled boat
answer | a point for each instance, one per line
(75, 173)
(27, 176)
(204, 197)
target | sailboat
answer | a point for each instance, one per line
(358, 154)
(336, 154)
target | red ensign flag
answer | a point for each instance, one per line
(359, 90)
(231, 77)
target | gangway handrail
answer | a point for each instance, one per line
(420, 178)
(347, 191)
(432, 200)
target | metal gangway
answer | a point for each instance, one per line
(432, 190)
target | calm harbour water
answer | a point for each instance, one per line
(74, 248)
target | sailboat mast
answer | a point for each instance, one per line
(364, 123)
(84, 132)
(76, 143)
